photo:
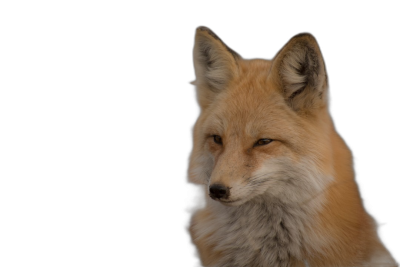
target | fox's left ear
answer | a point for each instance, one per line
(215, 65)
(298, 70)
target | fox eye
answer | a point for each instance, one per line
(263, 142)
(218, 139)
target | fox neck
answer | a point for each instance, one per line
(262, 230)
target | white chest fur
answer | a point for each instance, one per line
(263, 232)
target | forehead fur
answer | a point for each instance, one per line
(249, 105)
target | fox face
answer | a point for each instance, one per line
(264, 125)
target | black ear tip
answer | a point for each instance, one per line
(305, 35)
(207, 31)
(202, 28)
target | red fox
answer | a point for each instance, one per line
(278, 178)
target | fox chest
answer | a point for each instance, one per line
(251, 236)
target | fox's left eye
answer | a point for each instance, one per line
(263, 142)
(218, 139)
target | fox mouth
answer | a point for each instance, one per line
(226, 202)
(221, 199)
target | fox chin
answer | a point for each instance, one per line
(278, 179)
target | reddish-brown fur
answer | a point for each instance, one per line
(251, 105)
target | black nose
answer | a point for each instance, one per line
(219, 191)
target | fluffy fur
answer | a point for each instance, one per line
(293, 201)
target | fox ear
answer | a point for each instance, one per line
(298, 70)
(214, 63)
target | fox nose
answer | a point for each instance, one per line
(219, 191)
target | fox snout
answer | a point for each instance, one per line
(218, 191)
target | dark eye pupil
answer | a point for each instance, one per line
(262, 142)
(218, 139)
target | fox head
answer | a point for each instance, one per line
(264, 126)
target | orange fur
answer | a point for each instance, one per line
(243, 101)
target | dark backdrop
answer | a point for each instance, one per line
(144, 108)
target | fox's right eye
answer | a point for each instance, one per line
(218, 139)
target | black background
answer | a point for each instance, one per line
(142, 108)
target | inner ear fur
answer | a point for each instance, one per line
(298, 70)
(215, 64)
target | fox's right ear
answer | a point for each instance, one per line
(298, 70)
(214, 63)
